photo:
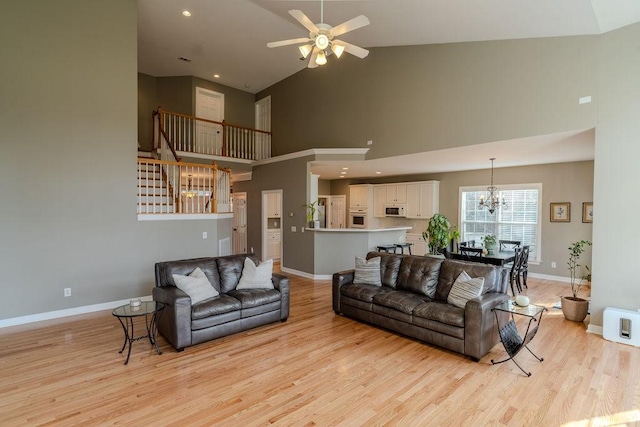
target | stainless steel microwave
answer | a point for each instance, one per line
(395, 210)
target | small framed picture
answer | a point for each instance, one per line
(561, 212)
(587, 212)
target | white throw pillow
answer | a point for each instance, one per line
(464, 289)
(196, 285)
(367, 271)
(256, 277)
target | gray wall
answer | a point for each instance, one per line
(68, 163)
(421, 98)
(290, 177)
(147, 103)
(616, 203)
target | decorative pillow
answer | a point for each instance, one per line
(196, 285)
(256, 277)
(464, 289)
(367, 271)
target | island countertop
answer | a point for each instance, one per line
(335, 249)
(357, 230)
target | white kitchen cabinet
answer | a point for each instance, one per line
(274, 201)
(274, 243)
(396, 194)
(360, 197)
(422, 199)
(419, 245)
(379, 200)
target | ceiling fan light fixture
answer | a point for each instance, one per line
(305, 50)
(322, 41)
(337, 49)
(321, 59)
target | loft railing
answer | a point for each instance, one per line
(200, 136)
(178, 187)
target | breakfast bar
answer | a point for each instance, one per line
(335, 249)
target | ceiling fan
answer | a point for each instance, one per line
(321, 41)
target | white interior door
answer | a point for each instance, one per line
(338, 215)
(239, 223)
(209, 106)
(263, 122)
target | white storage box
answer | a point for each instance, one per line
(621, 326)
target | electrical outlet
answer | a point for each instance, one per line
(204, 235)
(553, 264)
(67, 292)
(251, 249)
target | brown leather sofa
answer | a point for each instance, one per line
(184, 324)
(402, 304)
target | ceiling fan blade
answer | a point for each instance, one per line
(353, 49)
(306, 22)
(312, 60)
(350, 25)
(288, 42)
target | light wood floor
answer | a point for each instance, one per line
(315, 369)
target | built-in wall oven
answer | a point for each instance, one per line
(358, 220)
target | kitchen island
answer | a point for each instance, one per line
(335, 249)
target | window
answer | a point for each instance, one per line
(521, 221)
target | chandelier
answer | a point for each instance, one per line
(189, 192)
(493, 201)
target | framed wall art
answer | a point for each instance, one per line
(561, 212)
(587, 212)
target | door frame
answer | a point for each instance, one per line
(233, 233)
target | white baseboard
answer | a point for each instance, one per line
(550, 277)
(594, 329)
(23, 320)
(306, 275)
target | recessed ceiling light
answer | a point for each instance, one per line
(345, 169)
(343, 173)
(247, 86)
(217, 76)
(378, 173)
(186, 13)
(341, 176)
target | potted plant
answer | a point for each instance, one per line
(489, 242)
(573, 307)
(438, 233)
(311, 214)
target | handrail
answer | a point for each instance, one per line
(178, 187)
(189, 134)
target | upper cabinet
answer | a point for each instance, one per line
(422, 199)
(379, 200)
(360, 197)
(396, 194)
(274, 201)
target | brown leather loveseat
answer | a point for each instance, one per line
(184, 324)
(413, 301)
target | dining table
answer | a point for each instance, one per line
(497, 258)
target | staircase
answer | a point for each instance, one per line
(153, 195)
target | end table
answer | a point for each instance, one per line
(151, 310)
(511, 339)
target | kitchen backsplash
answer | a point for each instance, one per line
(419, 225)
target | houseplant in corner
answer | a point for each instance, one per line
(438, 233)
(573, 307)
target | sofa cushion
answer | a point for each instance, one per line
(402, 301)
(419, 274)
(219, 305)
(196, 285)
(389, 266)
(367, 271)
(165, 270)
(255, 297)
(230, 271)
(440, 312)
(451, 269)
(362, 292)
(256, 276)
(464, 289)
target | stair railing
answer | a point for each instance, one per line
(197, 188)
(190, 134)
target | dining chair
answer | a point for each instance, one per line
(514, 276)
(471, 254)
(524, 268)
(467, 244)
(508, 245)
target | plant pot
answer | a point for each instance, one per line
(490, 248)
(575, 309)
